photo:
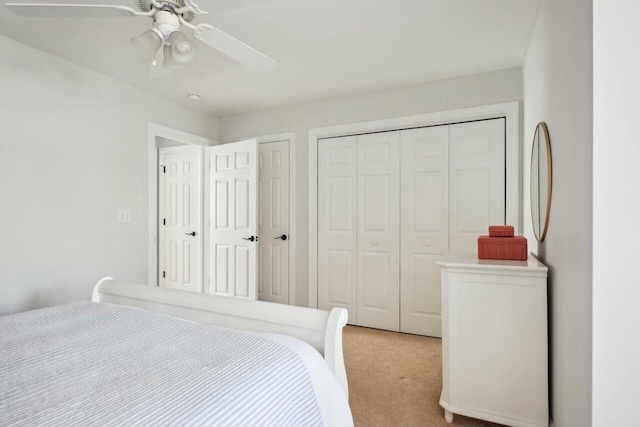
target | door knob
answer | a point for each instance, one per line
(193, 233)
(283, 237)
(251, 239)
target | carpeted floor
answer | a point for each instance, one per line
(395, 379)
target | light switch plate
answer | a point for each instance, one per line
(124, 216)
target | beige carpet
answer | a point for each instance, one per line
(395, 379)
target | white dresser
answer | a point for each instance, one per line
(494, 341)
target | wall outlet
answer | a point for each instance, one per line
(124, 216)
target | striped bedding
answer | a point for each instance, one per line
(91, 364)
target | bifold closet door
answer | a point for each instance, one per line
(477, 173)
(378, 222)
(337, 205)
(425, 226)
(391, 204)
(453, 188)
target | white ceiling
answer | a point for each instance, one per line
(324, 48)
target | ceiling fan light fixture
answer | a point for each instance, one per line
(170, 61)
(168, 17)
(182, 49)
(148, 43)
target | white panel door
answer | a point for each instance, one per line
(378, 222)
(425, 226)
(234, 219)
(337, 190)
(273, 222)
(179, 209)
(477, 174)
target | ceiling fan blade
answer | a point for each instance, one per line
(223, 6)
(234, 48)
(41, 10)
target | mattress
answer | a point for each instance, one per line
(90, 364)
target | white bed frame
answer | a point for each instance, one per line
(320, 328)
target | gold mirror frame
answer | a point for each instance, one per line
(542, 126)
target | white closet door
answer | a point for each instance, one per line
(477, 164)
(273, 222)
(378, 219)
(337, 192)
(179, 204)
(425, 226)
(234, 225)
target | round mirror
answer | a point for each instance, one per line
(540, 181)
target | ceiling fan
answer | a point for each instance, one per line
(164, 39)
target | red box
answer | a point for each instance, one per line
(508, 248)
(501, 231)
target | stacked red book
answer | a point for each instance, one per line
(501, 243)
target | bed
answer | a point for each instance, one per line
(139, 355)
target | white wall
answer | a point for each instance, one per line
(557, 79)
(616, 209)
(471, 91)
(72, 153)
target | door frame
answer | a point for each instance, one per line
(155, 131)
(508, 110)
(293, 237)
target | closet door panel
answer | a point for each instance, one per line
(337, 205)
(425, 226)
(378, 237)
(477, 152)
